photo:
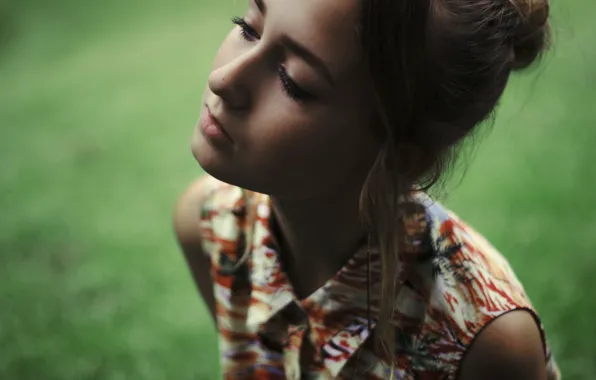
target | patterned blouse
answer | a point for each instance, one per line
(452, 283)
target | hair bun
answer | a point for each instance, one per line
(531, 35)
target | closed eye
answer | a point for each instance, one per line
(289, 86)
(246, 31)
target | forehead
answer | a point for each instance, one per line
(328, 28)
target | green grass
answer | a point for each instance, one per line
(97, 104)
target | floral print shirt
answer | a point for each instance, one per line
(452, 283)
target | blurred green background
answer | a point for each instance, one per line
(97, 104)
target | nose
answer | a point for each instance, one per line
(232, 81)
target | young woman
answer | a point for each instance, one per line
(312, 240)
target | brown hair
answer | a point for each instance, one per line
(438, 69)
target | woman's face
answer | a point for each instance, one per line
(288, 106)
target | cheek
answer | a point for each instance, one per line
(287, 131)
(317, 144)
(324, 132)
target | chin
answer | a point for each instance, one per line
(210, 160)
(213, 162)
(233, 170)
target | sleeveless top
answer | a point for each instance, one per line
(452, 283)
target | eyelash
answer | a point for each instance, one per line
(290, 87)
(246, 31)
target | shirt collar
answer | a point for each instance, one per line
(337, 312)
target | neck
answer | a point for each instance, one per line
(317, 236)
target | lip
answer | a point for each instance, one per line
(212, 128)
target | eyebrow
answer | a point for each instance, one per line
(300, 50)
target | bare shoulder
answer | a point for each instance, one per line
(510, 347)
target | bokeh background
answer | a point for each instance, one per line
(97, 104)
